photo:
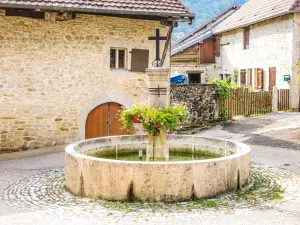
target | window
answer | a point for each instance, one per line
(118, 57)
(221, 76)
(246, 37)
(195, 78)
(25, 13)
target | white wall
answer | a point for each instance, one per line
(271, 45)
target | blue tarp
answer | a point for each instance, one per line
(180, 79)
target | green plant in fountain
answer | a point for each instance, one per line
(153, 120)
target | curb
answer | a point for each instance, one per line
(30, 153)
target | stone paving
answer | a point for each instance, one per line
(46, 191)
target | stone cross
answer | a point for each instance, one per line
(157, 38)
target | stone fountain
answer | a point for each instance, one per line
(156, 178)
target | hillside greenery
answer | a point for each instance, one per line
(204, 10)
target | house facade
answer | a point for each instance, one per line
(196, 54)
(67, 68)
(259, 46)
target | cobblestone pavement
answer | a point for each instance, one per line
(45, 193)
(33, 192)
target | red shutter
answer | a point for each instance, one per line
(243, 77)
(246, 37)
(259, 79)
(139, 60)
(218, 47)
(207, 51)
(272, 78)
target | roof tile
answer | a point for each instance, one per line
(140, 7)
(255, 11)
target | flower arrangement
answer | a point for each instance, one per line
(153, 120)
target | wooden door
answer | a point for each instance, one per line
(104, 121)
(272, 78)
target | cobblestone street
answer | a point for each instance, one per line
(33, 192)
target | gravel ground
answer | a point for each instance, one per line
(32, 193)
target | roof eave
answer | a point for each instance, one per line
(197, 40)
(258, 21)
(233, 5)
(189, 16)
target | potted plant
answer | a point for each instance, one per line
(136, 119)
(153, 120)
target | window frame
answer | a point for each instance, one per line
(117, 64)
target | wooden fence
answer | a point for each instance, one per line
(241, 102)
(283, 99)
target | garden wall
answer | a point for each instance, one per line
(200, 100)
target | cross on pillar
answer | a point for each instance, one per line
(157, 38)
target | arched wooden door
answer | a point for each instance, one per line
(104, 121)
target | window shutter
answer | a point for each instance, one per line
(243, 77)
(272, 78)
(139, 60)
(218, 47)
(246, 37)
(259, 79)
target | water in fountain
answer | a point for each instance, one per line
(139, 153)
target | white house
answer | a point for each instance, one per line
(260, 45)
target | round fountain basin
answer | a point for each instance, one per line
(113, 179)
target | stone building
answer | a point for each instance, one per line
(66, 68)
(196, 54)
(260, 45)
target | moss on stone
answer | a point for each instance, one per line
(31, 89)
(64, 129)
(20, 122)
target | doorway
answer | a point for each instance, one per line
(104, 121)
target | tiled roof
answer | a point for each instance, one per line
(296, 5)
(255, 11)
(202, 32)
(163, 8)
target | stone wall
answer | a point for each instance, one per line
(53, 73)
(271, 45)
(199, 99)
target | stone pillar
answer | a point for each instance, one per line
(275, 100)
(158, 97)
(159, 77)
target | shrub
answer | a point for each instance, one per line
(153, 120)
